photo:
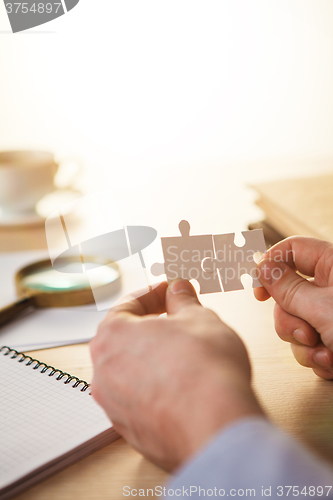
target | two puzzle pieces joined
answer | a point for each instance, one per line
(213, 260)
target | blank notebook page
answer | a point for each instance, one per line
(41, 418)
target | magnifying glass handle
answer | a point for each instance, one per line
(11, 312)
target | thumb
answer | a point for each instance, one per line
(294, 294)
(180, 294)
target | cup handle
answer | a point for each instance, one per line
(65, 180)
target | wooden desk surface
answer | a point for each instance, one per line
(292, 396)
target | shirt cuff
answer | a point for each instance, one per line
(253, 458)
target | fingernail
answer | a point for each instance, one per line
(301, 337)
(263, 257)
(181, 286)
(270, 271)
(322, 359)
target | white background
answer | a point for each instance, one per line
(176, 104)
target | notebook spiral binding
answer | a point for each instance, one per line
(7, 351)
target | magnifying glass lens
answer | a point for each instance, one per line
(40, 285)
(71, 278)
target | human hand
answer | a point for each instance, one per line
(169, 383)
(303, 311)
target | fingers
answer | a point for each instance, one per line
(293, 293)
(121, 322)
(261, 294)
(300, 252)
(152, 302)
(173, 298)
(293, 329)
(139, 316)
(319, 358)
(180, 295)
(322, 373)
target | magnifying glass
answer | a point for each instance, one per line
(39, 285)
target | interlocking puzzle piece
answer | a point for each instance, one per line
(211, 260)
(232, 261)
(183, 256)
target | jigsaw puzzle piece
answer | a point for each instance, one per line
(232, 261)
(157, 269)
(183, 256)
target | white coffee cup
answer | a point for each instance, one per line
(25, 178)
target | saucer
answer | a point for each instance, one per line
(45, 206)
(20, 219)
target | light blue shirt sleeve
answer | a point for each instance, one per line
(253, 458)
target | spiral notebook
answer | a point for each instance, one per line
(48, 420)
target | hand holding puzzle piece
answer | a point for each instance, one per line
(213, 260)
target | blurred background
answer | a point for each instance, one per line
(175, 108)
(178, 105)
